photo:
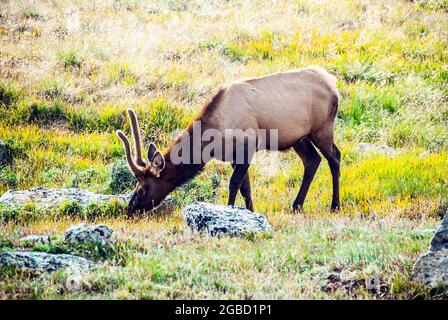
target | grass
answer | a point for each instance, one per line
(67, 79)
(70, 58)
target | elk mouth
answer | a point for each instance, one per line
(136, 206)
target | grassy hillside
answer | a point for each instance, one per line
(69, 70)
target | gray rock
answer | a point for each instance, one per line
(82, 233)
(44, 262)
(432, 268)
(4, 155)
(440, 239)
(376, 149)
(45, 198)
(32, 240)
(224, 220)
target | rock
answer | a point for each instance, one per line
(82, 233)
(73, 282)
(375, 148)
(4, 155)
(373, 286)
(44, 262)
(168, 204)
(217, 220)
(32, 240)
(432, 268)
(440, 239)
(45, 198)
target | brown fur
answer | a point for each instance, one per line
(175, 175)
(301, 104)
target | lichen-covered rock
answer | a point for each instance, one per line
(44, 262)
(32, 240)
(224, 220)
(440, 239)
(4, 156)
(45, 198)
(432, 268)
(82, 234)
(376, 149)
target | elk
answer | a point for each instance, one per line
(301, 105)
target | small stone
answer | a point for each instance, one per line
(73, 282)
(376, 149)
(82, 233)
(44, 262)
(423, 154)
(224, 220)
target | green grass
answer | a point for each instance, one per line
(65, 87)
(296, 262)
(70, 58)
(30, 13)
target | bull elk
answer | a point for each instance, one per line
(301, 105)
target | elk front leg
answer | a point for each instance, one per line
(238, 175)
(245, 191)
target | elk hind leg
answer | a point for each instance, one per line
(311, 160)
(323, 140)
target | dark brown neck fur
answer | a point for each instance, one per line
(175, 175)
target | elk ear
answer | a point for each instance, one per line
(151, 151)
(157, 164)
(158, 161)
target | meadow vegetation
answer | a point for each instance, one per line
(69, 70)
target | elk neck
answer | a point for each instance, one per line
(175, 174)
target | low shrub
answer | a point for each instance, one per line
(122, 179)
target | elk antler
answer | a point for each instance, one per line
(136, 134)
(127, 148)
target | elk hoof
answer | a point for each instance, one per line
(335, 208)
(132, 216)
(296, 208)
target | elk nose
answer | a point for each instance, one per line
(132, 205)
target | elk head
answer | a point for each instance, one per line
(148, 193)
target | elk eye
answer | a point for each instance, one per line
(140, 192)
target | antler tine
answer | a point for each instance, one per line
(127, 148)
(136, 134)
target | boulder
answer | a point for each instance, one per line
(224, 220)
(45, 198)
(4, 155)
(44, 262)
(82, 234)
(376, 149)
(432, 268)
